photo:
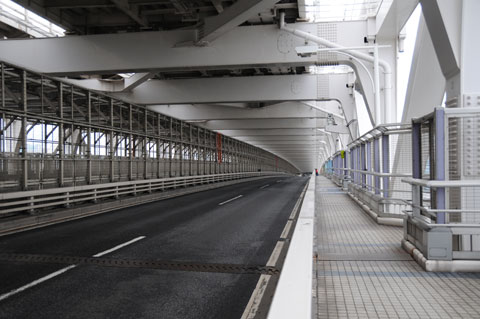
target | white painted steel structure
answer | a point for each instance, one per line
(441, 224)
(246, 71)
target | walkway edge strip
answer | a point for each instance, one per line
(293, 296)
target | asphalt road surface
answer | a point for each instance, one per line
(238, 224)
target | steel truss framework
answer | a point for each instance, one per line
(54, 134)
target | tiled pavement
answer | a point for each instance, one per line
(362, 271)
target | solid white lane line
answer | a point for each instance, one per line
(264, 186)
(63, 270)
(119, 246)
(231, 199)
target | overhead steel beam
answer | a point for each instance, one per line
(453, 27)
(273, 88)
(218, 5)
(426, 84)
(263, 124)
(131, 11)
(159, 51)
(233, 16)
(288, 147)
(365, 87)
(126, 85)
(218, 90)
(443, 19)
(137, 79)
(260, 88)
(180, 6)
(269, 132)
(68, 4)
(392, 17)
(280, 139)
(206, 112)
(305, 141)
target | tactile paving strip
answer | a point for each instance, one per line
(364, 257)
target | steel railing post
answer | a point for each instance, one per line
(416, 167)
(439, 122)
(376, 164)
(385, 163)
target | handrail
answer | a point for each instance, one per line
(386, 129)
(374, 173)
(437, 183)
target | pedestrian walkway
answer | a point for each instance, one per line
(363, 272)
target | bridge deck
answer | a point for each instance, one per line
(362, 271)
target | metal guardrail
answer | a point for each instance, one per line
(444, 221)
(450, 236)
(63, 136)
(371, 169)
(26, 201)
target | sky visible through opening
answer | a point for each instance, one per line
(31, 23)
(340, 10)
(404, 62)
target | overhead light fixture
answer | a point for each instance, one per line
(306, 51)
(196, 121)
(330, 119)
(126, 75)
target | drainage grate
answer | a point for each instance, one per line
(133, 263)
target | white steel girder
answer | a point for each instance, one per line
(426, 85)
(230, 89)
(215, 26)
(286, 143)
(392, 16)
(453, 27)
(325, 87)
(263, 124)
(150, 51)
(282, 138)
(207, 112)
(288, 129)
(443, 20)
(280, 88)
(239, 134)
(307, 114)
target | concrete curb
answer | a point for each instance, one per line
(389, 221)
(440, 265)
(293, 296)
